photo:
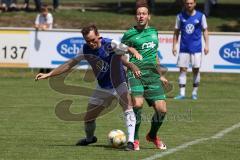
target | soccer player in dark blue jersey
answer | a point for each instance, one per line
(105, 57)
(191, 23)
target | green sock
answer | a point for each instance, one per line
(138, 112)
(156, 123)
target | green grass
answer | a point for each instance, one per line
(29, 128)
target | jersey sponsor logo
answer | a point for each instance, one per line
(148, 45)
(231, 52)
(189, 28)
(70, 47)
(102, 66)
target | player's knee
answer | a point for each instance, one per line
(91, 114)
(195, 70)
(138, 103)
(162, 109)
(183, 69)
(160, 106)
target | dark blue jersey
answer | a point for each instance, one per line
(106, 65)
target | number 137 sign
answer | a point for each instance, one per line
(14, 48)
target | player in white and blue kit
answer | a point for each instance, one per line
(103, 56)
(191, 23)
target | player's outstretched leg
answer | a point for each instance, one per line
(92, 113)
(90, 138)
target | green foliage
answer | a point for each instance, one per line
(224, 17)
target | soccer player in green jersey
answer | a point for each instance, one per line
(144, 39)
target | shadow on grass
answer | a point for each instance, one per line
(105, 146)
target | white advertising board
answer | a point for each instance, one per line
(14, 48)
(49, 49)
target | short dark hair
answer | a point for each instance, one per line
(44, 8)
(86, 29)
(185, 1)
(142, 3)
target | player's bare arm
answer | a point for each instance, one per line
(61, 69)
(41, 26)
(175, 41)
(132, 67)
(206, 39)
(135, 53)
(161, 71)
(45, 26)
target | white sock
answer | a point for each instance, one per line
(130, 121)
(195, 89)
(182, 91)
(182, 82)
(196, 81)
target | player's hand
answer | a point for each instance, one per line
(164, 80)
(44, 28)
(206, 50)
(137, 74)
(136, 71)
(161, 70)
(40, 76)
(135, 53)
(167, 86)
(174, 50)
(138, 56)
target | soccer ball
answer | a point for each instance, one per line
(116, 138)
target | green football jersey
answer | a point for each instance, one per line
(146, 43)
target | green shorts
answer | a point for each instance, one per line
(149, 86)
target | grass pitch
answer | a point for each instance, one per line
(30, 129)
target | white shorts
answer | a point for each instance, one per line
(104, 97)
(185, 59)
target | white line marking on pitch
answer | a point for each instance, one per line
(185, 145)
